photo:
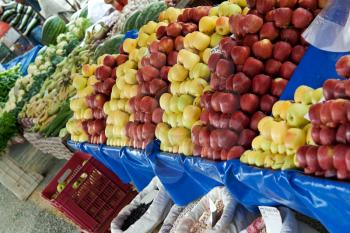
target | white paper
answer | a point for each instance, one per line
(272, 219)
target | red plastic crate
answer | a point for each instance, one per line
(92, 196)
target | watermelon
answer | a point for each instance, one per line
(53, 26)
(110, 46)
(130, 22)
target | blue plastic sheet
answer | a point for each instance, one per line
(24, 60)
(316, 67)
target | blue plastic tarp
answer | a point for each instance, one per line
(24, 60)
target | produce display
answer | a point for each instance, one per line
(283, 133)
(7, 81)
(197, 31)
(329, 155)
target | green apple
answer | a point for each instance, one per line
(296, 115)
(215, 39)
(295, 138)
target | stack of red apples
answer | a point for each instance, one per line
(250, 72)
(330, 129)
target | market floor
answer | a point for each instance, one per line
(34, 215)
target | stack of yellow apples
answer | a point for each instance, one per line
(284, 133)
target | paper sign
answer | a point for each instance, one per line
(272, 219)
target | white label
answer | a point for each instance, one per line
(272, 219)
(149, 197)
(216, 49)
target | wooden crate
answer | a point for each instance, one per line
(15, 179)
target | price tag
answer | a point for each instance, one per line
(214, 215)
(272, 219)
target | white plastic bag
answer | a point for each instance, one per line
(330, 30)
(171, 218)
(97, 9)
(222, 225)
(155, 214)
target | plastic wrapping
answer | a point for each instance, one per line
(155, 214)
(97, 9)
(331, 28)
(189, 178)
(222, 225)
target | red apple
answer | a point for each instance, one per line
(246, 137)
(257, 116)
(235, 25)
(290, 35)
(154, 47)
(272, 67)
(250, 39)
(251, 24)
(239, 54)
(164, 72)
(224, 68)
(197, 149)
(224, 121)
(226, 138)
(103, 72)
(315, 113)
(215, 82)
(287, 69)
(179, 43)
(261, 84)
(148, 104)
(166, 45)
(267, 102)
(253, 67)
(174, 29)
(341, 134)
(282, 50)
(325, 157)
(195, 134)
(269, 31)
(188, 28)
(301, 156)
(302, 18)
(287, 3)
(327, 135)
(121, 58)
(109, 60)
(347, 88)
(282, 17)
(145, 61)
(343, 66)
(325, 114)
(149, 73)
(263, 49)
(158, 59)
(213, 61)
(339, 90)
(226, 49)
(228, 102)
(172, 58)
(206, 100)
(229, 83)
(239, 121)
(235, 152)
(157, 86)
(311, 159)
(240, 83)
(161, 32)
(214, 119)
(338, 111)
(339, 153)
(148, 130)
(328, 88)
(278, 85)
(298, 53)
(249, 103)
(205, 116)
(204, 136)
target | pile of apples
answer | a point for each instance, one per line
(151, 81)
(330, 155)
(250, 72)
(197, 31)
(284, 133)
(121, 108)
(83, 83)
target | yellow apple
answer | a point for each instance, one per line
(279, 132)
(265, 125)
(206, 55)
(173, 103)
(269, 161)
(280, 108)
(207, 24)
(215, 39)
(222, 26)
(150, 27)
(317, 95)
(164, 101)
(186, 147)
(296, 115)
(303, 94)
(130, 76)
(200, 70)
(129, 45)
(200, 41)
(190, 115)
(214, 11)
(278, 161)
(188, 59)
(183, 101)
(177, 135)
(175, 88)
(177, 73)
(228, 9)
(295, 138)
